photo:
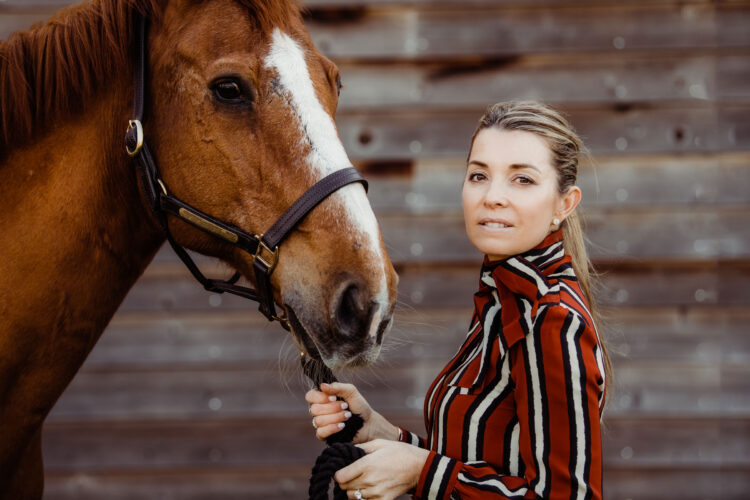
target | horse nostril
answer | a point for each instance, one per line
(352, 311)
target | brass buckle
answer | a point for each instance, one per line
(284, 320)
(138, 137)
(270, 263)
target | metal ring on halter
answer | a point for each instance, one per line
(138, 137)
(358, 494)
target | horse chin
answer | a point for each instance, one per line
(344, 357)
(300, 335)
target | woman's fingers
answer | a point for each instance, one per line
(344, 391)
(323, 420)
(313, 396)
(328, 408)
(347, 476)
(323, 433)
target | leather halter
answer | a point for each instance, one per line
(264, 248)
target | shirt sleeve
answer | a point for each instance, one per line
(411, 438)
(557, 394)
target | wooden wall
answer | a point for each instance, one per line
(190, 395)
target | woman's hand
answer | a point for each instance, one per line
(330, 415)
(389, 470)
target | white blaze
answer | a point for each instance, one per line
(327, 154)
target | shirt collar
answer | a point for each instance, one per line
(526, 273)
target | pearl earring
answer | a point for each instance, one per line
(555, 221)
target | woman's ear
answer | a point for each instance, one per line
(568, 202)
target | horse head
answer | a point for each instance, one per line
(240, 121)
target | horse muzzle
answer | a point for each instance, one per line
(350, 335)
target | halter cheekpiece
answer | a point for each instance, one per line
(264, 248)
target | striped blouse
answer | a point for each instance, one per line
(516, 413)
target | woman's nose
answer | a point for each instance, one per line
(496, 194)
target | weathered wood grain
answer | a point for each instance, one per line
(612, 183)
(11, 22)
(658, 482)
(284, 483)
(643, 388)
(387, 34)
(597, 78)
(619, 236)
(440, 285)
(266, 483)
(290, 441)
(245, 339)
(349, 4)
(30, 5)
(732, 77)
(644, 286)
(399, 135)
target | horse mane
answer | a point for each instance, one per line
(51, 70)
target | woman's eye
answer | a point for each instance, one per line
(228, 91)
(476, 176)
(522, 179)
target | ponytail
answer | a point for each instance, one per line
(575, 247)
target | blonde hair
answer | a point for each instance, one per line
(567, 149)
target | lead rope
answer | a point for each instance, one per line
(340, 451)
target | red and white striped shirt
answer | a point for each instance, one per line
(516, 413)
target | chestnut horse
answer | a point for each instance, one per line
(239, 118)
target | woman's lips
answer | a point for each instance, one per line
(495, 224)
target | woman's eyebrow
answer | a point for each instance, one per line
(514, 166)
(519, 166)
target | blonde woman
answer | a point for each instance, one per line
(516, 413)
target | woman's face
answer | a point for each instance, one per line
(510, 193)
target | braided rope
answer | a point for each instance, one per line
(340, 452)
(333, 458)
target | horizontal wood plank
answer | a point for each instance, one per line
(12, 22)
(612, 183)
(657, 483)
(655, 235)
(267, 483)
(443, 286)
(452, 286)
(643, 388)
(351, 4)
(390, 135)
(231, 339)
(598, 78)
(284, 483)
(388, 34)
(732, 75)
(290, 441)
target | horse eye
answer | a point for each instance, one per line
(228, 91)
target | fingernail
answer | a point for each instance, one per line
(344, 406)
(332, 398)
(341, 425)
(347, 414)
(324, 385)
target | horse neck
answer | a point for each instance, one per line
(76, 235)
(77, 232)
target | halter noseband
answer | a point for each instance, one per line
(263, 247)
